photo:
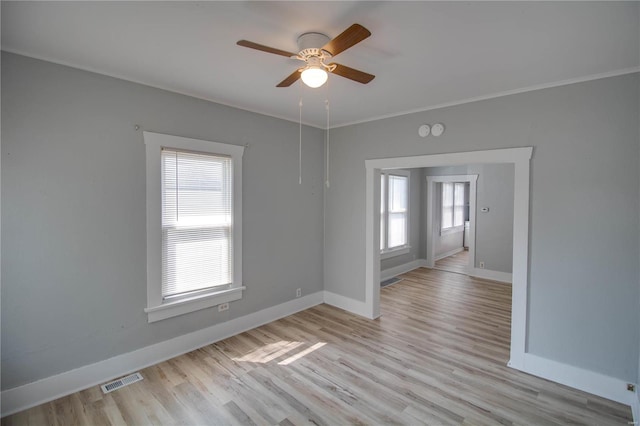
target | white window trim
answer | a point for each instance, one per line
(157, 309)
(396, 251)
(404, 249)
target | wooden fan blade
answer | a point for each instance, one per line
(353, 74)
(290, 80)
(252, 45)
(349, 37)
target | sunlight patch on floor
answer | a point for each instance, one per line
(301, 354)
(273, 351)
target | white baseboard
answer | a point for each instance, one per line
(50, 388)
(448, 253)
(354, 306)
(487, 274)
(578, 378)
(401, 269)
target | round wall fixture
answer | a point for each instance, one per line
(424, 130)
(437, 129)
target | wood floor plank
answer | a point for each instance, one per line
(455, 263)
(437, 355)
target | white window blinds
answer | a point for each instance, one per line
(452, 204)
(447, 205)
(394, 210)
(398, 211)
(458, 204)
(197, 221)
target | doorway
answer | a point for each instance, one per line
(436, 230)
(520, 158)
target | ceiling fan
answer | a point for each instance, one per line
(316, 50)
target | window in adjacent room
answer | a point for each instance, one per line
(453, 206)
(394, 213)
(194, 254)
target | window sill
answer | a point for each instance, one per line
(184, 306)
(395, 252)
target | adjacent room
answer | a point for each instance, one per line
(324, 213)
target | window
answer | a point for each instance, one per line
(452, 205)
(394, 212)
(194, 256)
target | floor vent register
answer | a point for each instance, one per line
(120, 383)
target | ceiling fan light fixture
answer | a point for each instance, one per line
(314, 76)
(317, 50)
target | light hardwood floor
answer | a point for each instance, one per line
(436, 356)
(454, 263)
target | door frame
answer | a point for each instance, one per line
(431, 205)
(520, 158)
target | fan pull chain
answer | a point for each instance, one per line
(300, 142)
(326, 102)
(326, 105)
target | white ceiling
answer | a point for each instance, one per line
(424, 54)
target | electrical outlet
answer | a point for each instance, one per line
(481, 265)
(298, 292)
(223, 307)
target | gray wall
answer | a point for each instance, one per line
(448, 242)
(73, 217)
(583, 286)
(415, 224)
(494, 229)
